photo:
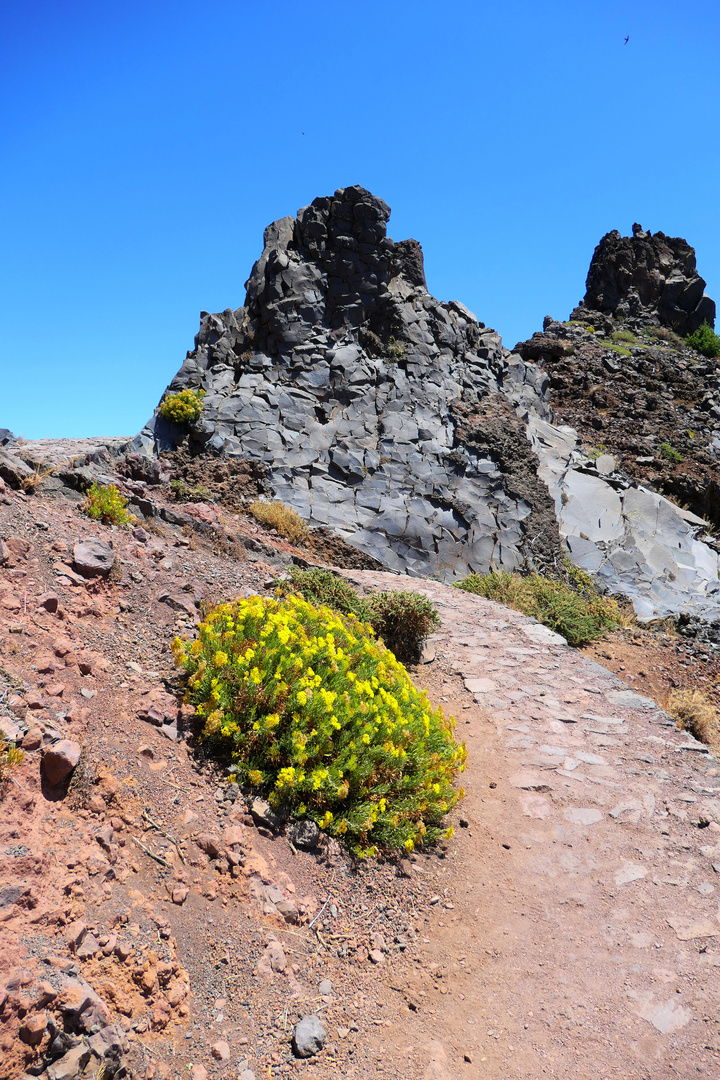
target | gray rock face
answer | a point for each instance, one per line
(308, 1037)
(634, 541)
(342, 374)
(646, 274)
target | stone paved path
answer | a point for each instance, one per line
(581, 937)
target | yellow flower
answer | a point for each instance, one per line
(302, 698)
(220, 659)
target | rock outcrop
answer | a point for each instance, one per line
(342, 374)
(403, 425)
(646, 398)
(646, 275)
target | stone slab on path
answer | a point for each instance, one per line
(583, 940)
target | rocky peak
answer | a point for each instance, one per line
(343, 375)
(646, 276)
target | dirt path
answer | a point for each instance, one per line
(577, 934)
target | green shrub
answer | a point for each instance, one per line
(183, 407)
(670, 453)
(626, 336)
(402, 619)
(704, 340)
(106, 504)
(324, 719)
(282, 518)
(577, 611)
(322, 587)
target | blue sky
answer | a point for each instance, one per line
(145, 145)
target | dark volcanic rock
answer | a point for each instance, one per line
(492, 427)
(340, 378)
(650, 275)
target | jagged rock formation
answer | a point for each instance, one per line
(403, 425)
(341, 373)
(646, 276)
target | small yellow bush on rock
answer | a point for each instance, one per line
(322, 717)
(10, 758)
(183, 407)
(106, 504)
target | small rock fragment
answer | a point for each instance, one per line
(308, 1037)
(221, 1051)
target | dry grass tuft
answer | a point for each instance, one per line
(282, 518)
(693, 712)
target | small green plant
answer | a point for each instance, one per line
(276, 515)
(184, 492)
(594, 452)
(395, 350)
(576, 610)
(704, 340)
(322, 718)
(670, 453)
(624, 335)
(184, 407)
(106, 504)
(402, 619)
(10, 758)
(590, 329)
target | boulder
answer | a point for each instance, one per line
(93, 558)
(14, 470)
(60, 760)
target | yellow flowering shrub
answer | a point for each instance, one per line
(183, 407)
(322, 717)
(106, 504)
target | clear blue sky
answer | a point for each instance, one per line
(145, 144)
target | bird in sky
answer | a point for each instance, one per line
(626, 40)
